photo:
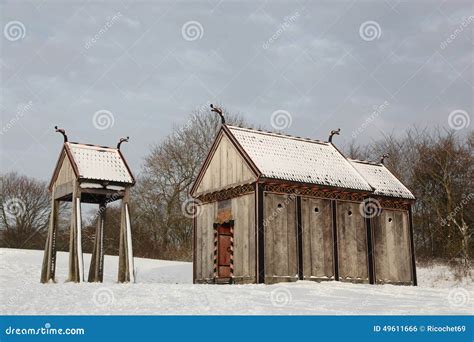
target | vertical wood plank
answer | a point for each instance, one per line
(405, 246)
(239, 226)
(48, 269)
(128, 231)
(210, 241)
(391, 243)
(341, 239)
(223, 164)
(392, 247)
(362, 248)
(269, 235)
(205, 241)
(260, 203)
(244, 233)
(335, 224)
(306, 228)
(126, 265)
(326, 223)
(251, 240)
(198, 249)
(291, 242)
(352, 241)
(280, 237)
(96, 269)
(318, 238)
(75, 247)
(412, 247)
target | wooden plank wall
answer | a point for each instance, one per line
(226, 169)
(316, 217)
(352, 242)
(64, 183)
(392, 254)
(281, 260)
(392, 247)
(66, 172)
(243, 213)
(205, 241)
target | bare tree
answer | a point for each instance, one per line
(24, 213)
(443, 178)
(162, 230)
(437, 165)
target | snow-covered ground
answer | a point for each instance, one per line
(165, 287)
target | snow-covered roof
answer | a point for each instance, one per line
(382, 180)
(298, 159)
(99, 163)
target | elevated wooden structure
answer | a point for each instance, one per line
(94, 174)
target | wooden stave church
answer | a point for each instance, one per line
(240, 200)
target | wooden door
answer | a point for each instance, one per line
(224, 252)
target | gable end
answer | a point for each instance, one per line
(224, 167)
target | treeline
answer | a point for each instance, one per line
(436, 164)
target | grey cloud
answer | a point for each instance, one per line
(141, 69)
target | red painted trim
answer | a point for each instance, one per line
(312, 185)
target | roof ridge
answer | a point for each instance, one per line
(282, 135)
(364, 161)
(91, 145)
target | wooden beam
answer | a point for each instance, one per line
(76, 261)
(96, 271)
(299, 237)
(412, 247)
(260, 235)
(48, 269)
(117, 194)
(370, 245)
(334, 235)
(126, 269)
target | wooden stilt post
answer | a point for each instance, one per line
(96, 271)
(76, 262)
(126, 269)
(49, 260)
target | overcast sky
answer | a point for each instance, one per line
(108, 69)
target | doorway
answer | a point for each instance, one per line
(224, 252)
